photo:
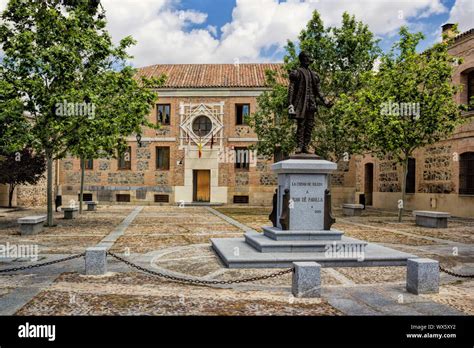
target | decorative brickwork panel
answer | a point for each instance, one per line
(242, 131)
(162, 178)
(142, 165)
(241, 178)
(104, 165)
(89, 178)
(388, 176)
(143, 153)
(126, 178)
(437, 170)
(67, 165)
(268, 179)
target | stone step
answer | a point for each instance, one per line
(236, 253)
(276, 233)
(267, 245)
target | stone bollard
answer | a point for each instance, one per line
(96, 260)
(422, 276)
(306, 279)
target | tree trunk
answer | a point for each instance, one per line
(404, 185)
(11, 189)
(83, 170)
(49, 189)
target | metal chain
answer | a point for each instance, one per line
(447, 271)
(22, 268)
(199, 281)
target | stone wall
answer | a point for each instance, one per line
(437, 170)
(388, 178)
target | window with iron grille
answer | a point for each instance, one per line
(466, 173)
(241, 199)
(140, 194)
(163, 114)
(123, 197)
(411, 177)
(89, 164)
(86, 197)
(241, 111)
(162, 199)
(125, 160)
(242, 158)
(162, 158)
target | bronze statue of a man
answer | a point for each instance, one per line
(304, 95)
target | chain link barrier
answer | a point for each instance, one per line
(187, 280)
(447, 271)
(36, 265)
(199, 281)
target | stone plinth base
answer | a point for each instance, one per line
(236, 253)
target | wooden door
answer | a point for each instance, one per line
(369, 183)
(202, 186)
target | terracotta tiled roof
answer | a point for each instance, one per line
(211, 75)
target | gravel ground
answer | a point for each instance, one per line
(179, 241)
(138, 294)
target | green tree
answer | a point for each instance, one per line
(53, 50)
(19, 168)
(408, 104)
(341, 57)
(125, 97)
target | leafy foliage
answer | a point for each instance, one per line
(19, 168)
(406, 77)
(341, 57)
(60, 50)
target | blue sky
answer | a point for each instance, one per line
(229, 31)
(220, 12)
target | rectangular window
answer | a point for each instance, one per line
(140, 194)
(411, 177)
(162, 199)
(125, 160)
(86, 197)
(241, 111)
(89, 164)
(241, 199)
(163, 114)
(242, 158)
(162, 158)
(123, 198)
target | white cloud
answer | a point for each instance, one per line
(462, 13)
(255, 26)
(164, 36)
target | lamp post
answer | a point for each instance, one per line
(139, 140)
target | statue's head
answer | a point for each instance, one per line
(305, 59)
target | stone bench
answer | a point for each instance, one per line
(70, 213)
(31, 224)
(91, 205)
(352, 209)
(433, 219)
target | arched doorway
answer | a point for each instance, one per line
(368, 183)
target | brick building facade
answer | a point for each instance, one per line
(441, 176)
(199, 153)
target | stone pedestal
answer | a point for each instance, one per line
(422, 276)
(96, 261)
(302, 232)
(306, 281)
(306, 181)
